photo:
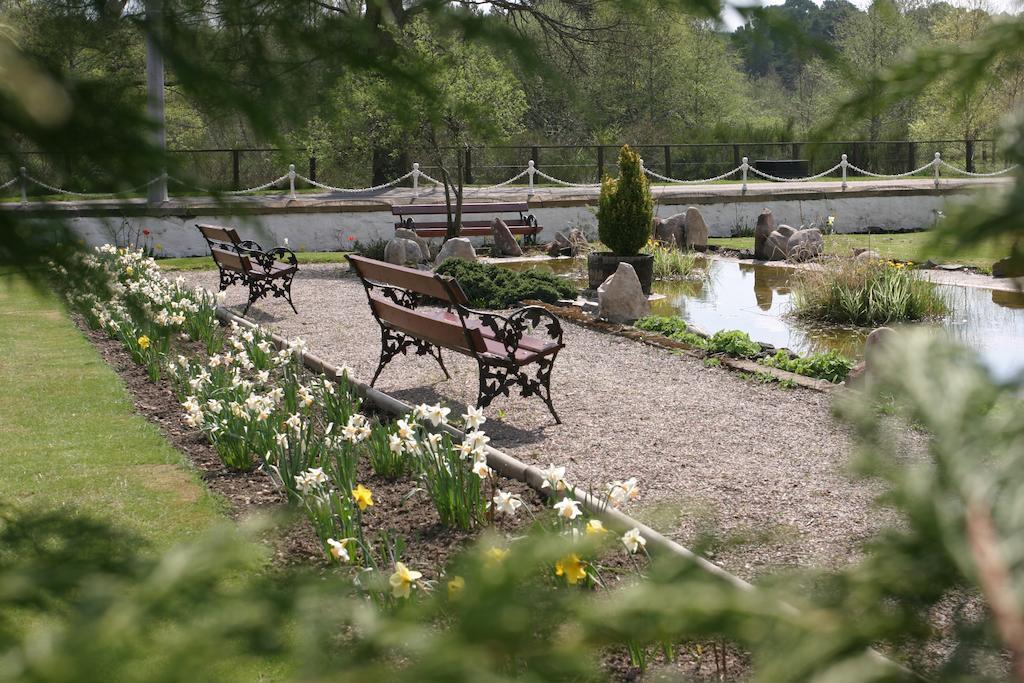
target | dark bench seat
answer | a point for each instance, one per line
(524, 224)
(425, 312)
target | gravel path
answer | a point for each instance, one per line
(762, 469)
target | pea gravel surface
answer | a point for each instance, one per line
(755, 477)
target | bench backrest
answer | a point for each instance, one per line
(419, 282)
(442, 209)
(445, 332)
(231, 260)
(216, 233)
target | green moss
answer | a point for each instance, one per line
(490, 286)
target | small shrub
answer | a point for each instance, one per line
(625, 208)
(712, 362)
(734, 343)
(671, 327)
(828, 365)
(373, 249)
(490, 286)
(670, 262)
(866, 294)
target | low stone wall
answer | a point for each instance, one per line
(326, 224)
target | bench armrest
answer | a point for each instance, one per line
(266, 259)
(250, 245)
(509, 330)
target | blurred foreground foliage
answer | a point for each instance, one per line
(939, 592)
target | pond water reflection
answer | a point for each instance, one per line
(757, 299)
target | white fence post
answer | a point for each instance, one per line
(937, 162)
(291, 181)
(843, 164)
(24, 185)
(415, 180)
(743, 168)
(530, 170)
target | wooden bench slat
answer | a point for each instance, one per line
(512, 223)
(219, 234)
(466, 232)
(439, 331)
(441, 209)
(410, 279)
(232, 261)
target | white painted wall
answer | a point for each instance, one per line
(315, 231)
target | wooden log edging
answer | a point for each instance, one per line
(513, 468)
(505, 464)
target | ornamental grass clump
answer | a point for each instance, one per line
(672, 262)
(625, 208)
(866, 293)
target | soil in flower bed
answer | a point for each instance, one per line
(428, 544)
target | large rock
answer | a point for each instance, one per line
(786, 230)
(874, 349)
(672, 231)
(504, 242)
(765, 227)
(695, 230)
(400, 251)
(775, 247)
(621, 298)
(406, 233)
(1008, 267)
(456, 247)
(805, 245)
(867, 255)
(578, 240)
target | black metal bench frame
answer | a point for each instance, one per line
(499, 368)
(276, 267)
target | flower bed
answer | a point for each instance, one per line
(330, 456)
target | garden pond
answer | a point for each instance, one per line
(757, 299)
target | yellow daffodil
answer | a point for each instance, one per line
(402, 580)
(455, 587)
(143, 342)
(572, 568)
(596, 526)
(362, 496)
(495, 554)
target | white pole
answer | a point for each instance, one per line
(530, 171)
(843, 163)
(937, 162)
(743, 167)
(157, 193)
(415, 180)
(24, 185)
(291, 181)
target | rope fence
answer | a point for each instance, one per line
(531, 173)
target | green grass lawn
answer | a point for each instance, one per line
(911, 246)
(71, 436)
(206, 262)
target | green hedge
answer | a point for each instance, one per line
(490, 286)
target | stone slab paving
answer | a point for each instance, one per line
(762, 467)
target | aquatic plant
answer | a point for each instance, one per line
(671, 262)
(828, 365)
(868, 293)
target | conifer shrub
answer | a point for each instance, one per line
(490, 286)
(625, 208)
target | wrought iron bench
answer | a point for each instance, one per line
(426, 312)
(246, 262)
(525, 224)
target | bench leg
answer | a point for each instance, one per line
(496, 380)
(436, 353)
(393, 343)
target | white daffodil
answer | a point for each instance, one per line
(294, 423)
(420, 412)
(403, 580)
(405, 430)
(338, 550)
(473, 418)
(554, 478)
(477, 440)
(507, 503)
(481, 469)
(633, 540)
(434, 442)
(396, 444)
(438, 415)
(568, 508)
